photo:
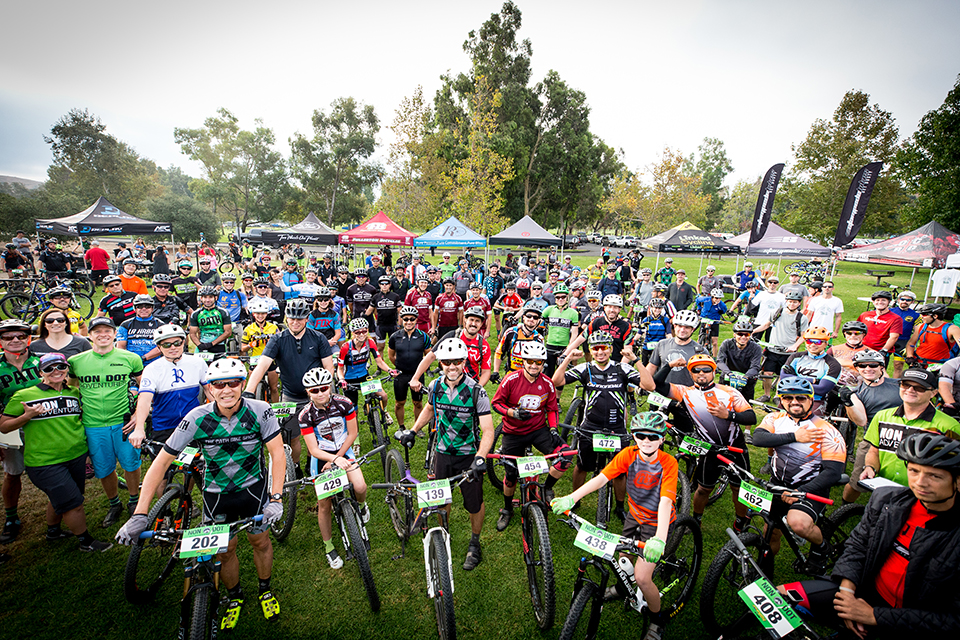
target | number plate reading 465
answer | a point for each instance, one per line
(596, 541)
(330, 483)
(433, 494)
(532, 466)
(605, 443)
(205, 541)
(755, 497)
(769, 607)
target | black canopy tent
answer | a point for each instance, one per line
(308, 231)
(694, 241)
(102, 219)
(525, 232)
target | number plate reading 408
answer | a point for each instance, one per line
(755, 497)
(532, 466)
(330, 483)
(605, 443)
(596, 541)
(433, 494)
(769, 607)
(205, 541)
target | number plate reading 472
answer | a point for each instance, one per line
(769, 607)
(205, 541)
(330, 483)
(596, 541)
(755, 497)
(532, 466)
(434, 494)
(605, 443)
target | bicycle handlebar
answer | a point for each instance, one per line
(549, 456)
(365, 458)
(356, 387)
(240, 524)
(772, 487)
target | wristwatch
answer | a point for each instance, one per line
(276, 497)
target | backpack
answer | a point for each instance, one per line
(779, 312)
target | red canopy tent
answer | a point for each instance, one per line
(927, 246)
(378, 230)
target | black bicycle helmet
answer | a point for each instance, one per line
(854, 325)
(297, 309)
(934, 309)
(360, 273)
(261, 281)
(883, 293)
(931, 450)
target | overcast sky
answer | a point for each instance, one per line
(754, 74)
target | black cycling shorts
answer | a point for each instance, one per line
(708, 467)
(450, 466)
(587, 457)
(63, 482)
(773, 362)
(400, 386)
(545, 440)
(384, 331)
(220, 508)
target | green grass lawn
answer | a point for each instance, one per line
(53, 591)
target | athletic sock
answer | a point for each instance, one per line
(263, 585)
(550, 482)
(236, 593)
(12, 515)
(698, 517)
(620, 504)
(328, 545)
(85, 538)
(474, 539)
(53, 529)
(115, 501)
(508, 502)
(133, 499)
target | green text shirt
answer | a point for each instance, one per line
(104, 380)
(887, 436)
(54, 436)
(13, 379)
(559, 322)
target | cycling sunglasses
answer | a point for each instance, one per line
(233, 384)
(321, 389)
(55, 367)
(868, 365)
(55, 321)
(816, 342)
(533, 362)
(916, 387)
(600, 347)
(161, 286)
(452, 363)
(652, 437)
(745, 333)
(170, 344)
(702, 370)
(796, 398)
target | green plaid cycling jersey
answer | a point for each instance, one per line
(456, 412)
(232, 447)
(210, 323)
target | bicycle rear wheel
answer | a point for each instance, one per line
(574, 417)
(442, 587)
(281, 528)
(580, 623)
(538, 556)
(358, 547)
(376, 429)
(722, 482)
(152, 560)
(225, 267)
(676, 573)
(83, 304)
(496, 469)
(604, 498)
(837, 529)
(19, 306)
(721, 609)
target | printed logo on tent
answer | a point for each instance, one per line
(113, 212)
(162, 228)
(525, 234)
(454, 231)
(377, 226)
(308, 225)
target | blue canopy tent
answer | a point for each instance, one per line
(450, 233)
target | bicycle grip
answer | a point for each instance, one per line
(735, 449)
(816, 498)
(494, 456)
(146, 535)
(724, 460)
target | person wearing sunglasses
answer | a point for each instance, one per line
(117, 304)
(740, 354)
(169, 308)
(136, 334)
(512, 338)
(478, 351)
(651, 474)
(263, 292)
(54, 448)
(185, 285)
(612, 323)
(809, 455)
(61, 297)
(853, 334)
(105, 376)
(407, 349)
(477, 300)
(816, 365)
(232, 433)
(908, 318)
(562, 327)
(353, 360)
(382, 312)
(324, 318)
(935, 338)
(57, 336)
(328, 424)
(459, 409)
(883, 326)
(360, 294)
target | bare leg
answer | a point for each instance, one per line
(110, 485)
(262, 553)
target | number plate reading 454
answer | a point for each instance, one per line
(605, 443)
(755, 497)
(532, 466)
(769, 607)
(330, 483)
(205, 541)
(434, 494)
(596, 541)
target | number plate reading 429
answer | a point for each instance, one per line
(605, 443)
(330, 483)
(434, 494)
(532, 466)
(596, 541)
(769, 607)
(205, 541)
(754, 497)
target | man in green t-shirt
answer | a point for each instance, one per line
(890, 426)
(18, 369)
(562, 327)
(104, 375)
(55, 448)
(447, 268)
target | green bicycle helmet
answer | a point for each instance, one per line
(649, 422)
(561, 288)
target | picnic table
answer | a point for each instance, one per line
(880, 274)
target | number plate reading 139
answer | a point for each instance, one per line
(754, 497)
(596, 541)
(330, 483)
(769, 607)
(205, 541)
(433, 494)
(605, 443)
(532, 466)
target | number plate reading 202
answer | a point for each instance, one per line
(596, 541)
(755, 497)
(434, 494)
(330, 483)
(769, 607)
(205, 541)
(532, 466)
(605, 443)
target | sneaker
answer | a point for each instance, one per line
(59, 535)
(11, 529)
(5, 558)
(131, 508)
(548, 496)
(504, 519)
(96, 545)
(654, 632)
(231, 615)
(334, 559)
(764, 398)
(113, 515)
(89, 473)
(766, 469)
(270, 606)
(474, 556)
(621, 514)
(364, 513)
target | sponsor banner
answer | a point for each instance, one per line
(855, 206)
(768, 191)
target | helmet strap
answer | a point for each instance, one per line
(709, 385)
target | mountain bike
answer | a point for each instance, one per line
(675, 574)
(281, 528)
(574, 412)
(27, 306)
(374, 412)
(199, 608)
(704, 336)
(606, 444)
(534, 535)
(346, 510)
(720, 608)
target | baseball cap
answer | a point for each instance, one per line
(927, 379)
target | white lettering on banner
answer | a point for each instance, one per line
(377, 226)
(452, 231)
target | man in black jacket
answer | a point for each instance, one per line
(680, 293)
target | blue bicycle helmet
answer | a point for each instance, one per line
(794, 386)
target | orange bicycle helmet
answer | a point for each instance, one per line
(816, 333)
(699, 359)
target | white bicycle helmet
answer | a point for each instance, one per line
(166, 331)
(686, 318)
(226, 369)
(358, 324)
(613, 300)
(716, 293)
(451, 349)
(259, 306)
(533, 350)
(316, 377)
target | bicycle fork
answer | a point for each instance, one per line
(426, 560)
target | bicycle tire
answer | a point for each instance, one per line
(539, 560)
(677, 571)
(20, 306)
(837, 529)
(574, 417)
(587, 595)
(721, 609)
(376, 429)
(395, 469)
(281, 528)
(442, 587)
(603, 506)
(225, 267)
(684, 495)
(83, 304)
(201, 618)
(153, 561)
(358, 547)
(496, 469)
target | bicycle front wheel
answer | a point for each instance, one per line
(718, 488)
(281, 528)
(18, 306)
(495, 468)
(225, 267)
(603, 505)
(840, 524)
(358, 547)
(201, 615)
(580, 623)
(574, 417)
(684, 495)
(376, 429)
(539, 559)
(152, 560)
(676, 573)
(442, 587)
(83, 305)
(721, 609)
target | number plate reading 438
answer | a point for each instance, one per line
(205, 541)
(532, 466)
(596, 541)
(605, 443)
(754, 497)
(769, 607)
(330, 483)
(434, 494)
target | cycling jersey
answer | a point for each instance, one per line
(523, 287)
(291, 278)
(643, 292)
(456, 413)
(55, 436)
(257, 337)
(409, 349)
(76, 321)
(667, 350)
(517, 392)
(665, 275)
(119, 308)
(233, 302)
(360, 296)
(510, 345)
(605, 393)
(177, 388)
(799, 462)
(908, 318)
(423, 301)
(823, 372)
(620, 329)
(208, 279)
(326, 322)
(386, 306)
(211, 323)
(559, 322)
(933, 345)
(879, 328)
(844, 355)
(355, 359)
(709, 309)
(186, 289)
(478, 352)
(13, 379)
(709, 427)
(484, 304)
(493, 286)
(647, 482)
(447, 269)
(138, 334)
(651, 331)
(104, 380)
(168, 310)
(232, 447)
(328, 424)
(294, 357)
(890, 426)
(448, 307)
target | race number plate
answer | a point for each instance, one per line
(186, 456)
(206, 356)
(694, 447)
(330, 483)
(650, 346)
(657, 400)
(707, 321)
(205, 541)
(370, 386)
(754, 497)
(596, 541)
(434, 494)
(532, 466)
(769, 607)
(253, 361)
(605, 443)
(283, 409)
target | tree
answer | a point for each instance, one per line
(673, 196)
(18, 213)
(815, 186)
(930, 165)
(624, 202)
(713, 166)
(335, 162)
(190, 218)
(737, 213)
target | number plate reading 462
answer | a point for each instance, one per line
(205, 541)
(434, 494)
(532, 466)
(330, 483)
(769, 607)
(605, 443)
(755, 497)
(596, 541)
